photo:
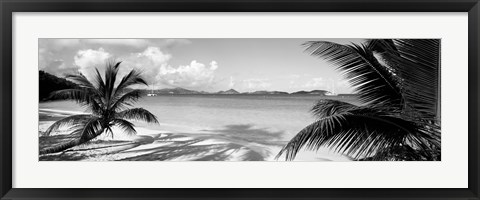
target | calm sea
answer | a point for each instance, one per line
(278, 116)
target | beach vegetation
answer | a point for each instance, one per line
(398, 114)
(49, 83)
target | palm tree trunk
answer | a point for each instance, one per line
(68, 145)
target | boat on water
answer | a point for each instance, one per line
(151, 94)
(330, 94)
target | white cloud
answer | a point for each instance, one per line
(257, 83)
(153, 63)
(194, 75)
(155, 55)
(213, 65)
(87, 60)
(148, 62)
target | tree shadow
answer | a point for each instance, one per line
(191, 150)
(243, 142)
(90, 149)
(48, 141)
(240, 142)
(247, 133)
(72, 156)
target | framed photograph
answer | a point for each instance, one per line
(239, 100)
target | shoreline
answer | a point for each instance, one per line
(174, 144)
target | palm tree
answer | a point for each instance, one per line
(398, 114)
(107, 102)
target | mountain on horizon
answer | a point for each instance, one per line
(314, 92)
(264, 92)
(51, 82)
(230, 91)
(179, 90)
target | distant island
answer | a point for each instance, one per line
(230, 91)
(183, 91)
(49, 83)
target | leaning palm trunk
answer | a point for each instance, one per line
(107, 102)
(72, 143)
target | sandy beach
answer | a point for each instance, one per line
(172, 143)
(153, 145)
(209, 104)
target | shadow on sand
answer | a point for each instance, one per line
(247, 133)
(240, 142)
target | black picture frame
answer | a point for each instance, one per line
(8, 7)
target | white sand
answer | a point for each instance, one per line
(170, 145)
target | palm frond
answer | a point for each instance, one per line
(400, 153)
(427, 137)
(382, 46)
(82, 96)
(124, 100)
(132, 78)
(356, 133)
(372, 81)
(397, 81)
(417, 63)
(327, 107)
(100, 84)
(110, 78)
(420, 67)
(87, 86)
(89, 129)
(108, 130)
(80, 80)
(70, 120)
(138, 114)
(127, 126)
(385, 51)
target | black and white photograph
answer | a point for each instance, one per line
(239, 99)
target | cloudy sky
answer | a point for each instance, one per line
(201, 64)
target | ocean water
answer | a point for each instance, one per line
(270, 117)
